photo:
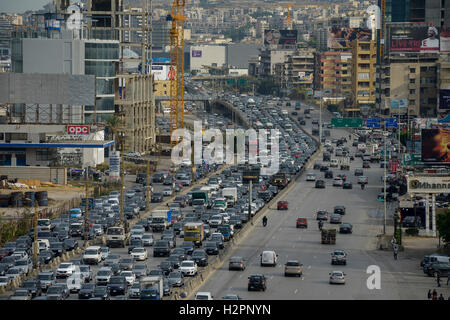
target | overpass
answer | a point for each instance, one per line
(228, 110)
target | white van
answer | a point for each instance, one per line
(43, 244)
(203, 296)
(269, 258)
(92, 255)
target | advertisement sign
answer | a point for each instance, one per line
(342, 37)
(196, 53)
(303, 77)
(414, 39)
(114, 165)
(78, 129)
(399, 103)
(423, 184)
(160, 72)
(436, 146)
(444, 99)
(274, 36)
(160, 60)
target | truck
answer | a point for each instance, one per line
(161, 220)
(280, 180)
(117, 236)
(328, 236)
(151, 288)
(345, 163)
(204, 194)
(195, 232)
(231, 195)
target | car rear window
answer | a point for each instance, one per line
(292, 264)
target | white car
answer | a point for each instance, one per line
(167, 192)
(203, 296)
(75, 282)
(136, 235)
(147, 239)
(337, 182)
(337, 277)
(92, 255)
(186, 162)
(129, 276)
(4, 281)
(188, 268)
(139, 254)
(104, 252)
(311, 177)
(65, 269)
(363, 180)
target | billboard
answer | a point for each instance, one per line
(78, 129)
(114, 165)
(414, 39)
(436, 146)
(161, 72)
(305, 77)
(274, 36)
(399, 103)
(342, 37)
(444, 99)
(428, 184)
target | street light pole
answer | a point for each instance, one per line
(320, 121)
(384, 166)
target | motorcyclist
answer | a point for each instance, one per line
(362, 186)
(264, 221)
(320, 224)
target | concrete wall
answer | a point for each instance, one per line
(239, 53)
(45, 174)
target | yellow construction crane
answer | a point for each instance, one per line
(176, 71)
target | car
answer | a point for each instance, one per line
(435, 268)
(200, 257)
(21, 294)
(257, 282)
(322, 215)
(86, 291)
(293, 268)
(337, 277)
(65, 270)
(359, 172)
(236, 263)
(188, 247)
(130, 277)
(363, 180)
(102, 293)
(411, 222)
(176, 279)
(134, 291)
(112, 259)
(347, 185)
(58, 291)
(338, 182)
(33, 286)
(320, 184)
(269, 258)
(104, 252)
(86, 272)
(211, 247)
(328, 174)
(301, 223)
(339, 257)
(117, 285)
(203, 296)
(126, 263)
(366, 164)
(135, 243)
(147, 239)
(166, 267)
(157, 197)
(139, 254)
(345, 228)
(335, 218)
(92, 255)
(188, 268)
(339, 209)
(311, 177)
(282, 205)
(231, 296)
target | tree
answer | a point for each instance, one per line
(268, 86)
(113, 123)
(443, 226)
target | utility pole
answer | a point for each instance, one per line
(384, 166)
(35, 249)
(147, 197)
(86, 216)
(250, 198)
(122, 182)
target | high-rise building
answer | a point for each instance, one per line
(364, 58)
(336, 73)
(434, 11)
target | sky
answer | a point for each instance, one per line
(20, 6)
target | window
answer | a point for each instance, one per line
(412, 102)
(423, 69)
(412, 70)
(412, 91)
(412, 81)
(15, 136)
(43, 155)
(2, 136)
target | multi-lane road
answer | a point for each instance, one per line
(400, 279)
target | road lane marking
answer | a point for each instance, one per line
(309, 267)
(303, 278)
(296, 290)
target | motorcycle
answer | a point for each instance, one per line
(264, 222)
(362, 186)
(320, 225)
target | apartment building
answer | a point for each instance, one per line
(364, 59)
(336, 73)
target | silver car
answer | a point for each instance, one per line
(147, 240)
(337, 277)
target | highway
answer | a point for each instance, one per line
(401, 279)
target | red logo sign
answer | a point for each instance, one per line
(78, 129)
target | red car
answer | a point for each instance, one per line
(302, 223)
(282, 205)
